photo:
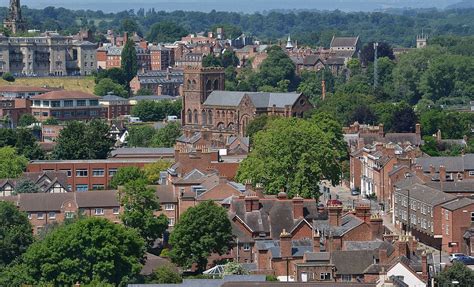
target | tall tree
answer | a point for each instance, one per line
(85, 250)
(129, 61)
(296, 155)
(201, 231)
(15, 233)
(140, 204)
(166, 136)
(165, 32)
(367, 53)
(26, 186)
(457, 272)
(152, 170)
(26, 120)
(11, 164)
(140, 135)
(27, 144)
(125, 175)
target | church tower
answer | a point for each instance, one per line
(198, 84)
(14, 21)
(421, 40)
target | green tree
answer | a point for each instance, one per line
(11, 164)
(15, 232)
(107, 85)
(129, 61)
(166, 136)
(165, 275)
(211, 61)
(296, 155)
(91, 249)
(229, 59)
(234, 268)
(430, 146)
(140, 204)
(125, 175)
(140, 135)
(257, 124)
(457, 272)
(152, 170)
(115, 74)
(26, 186)
(27, 144)
(165, 32)
(201, 231)
(27, 120)
(144, 92)
(7, 137)
(8, 77)
(129, 25)
(79, 140)
(367, 53)
(51, 121)
(149, 111)
(276, 67)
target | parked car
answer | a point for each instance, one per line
(453, 256)
(333, 202)
(355, 191)
(466, 260)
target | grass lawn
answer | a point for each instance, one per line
(84, 84)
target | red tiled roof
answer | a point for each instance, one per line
(59, 95)
(18, 89)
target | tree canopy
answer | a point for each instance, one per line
(11, 164)
(200, 231)
(129, 62)
(15, 233)
(457, 272)
(295, 155)
(125, 175)
(165, 32)
(149, 111)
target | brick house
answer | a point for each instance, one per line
(45, 181)
(166, 82)
(84, 175)
(45, 209)
(161, 58)
(66, 105)
(49, 133)
(12, 109)
(457, 217)
(15, 91)
(114, 106)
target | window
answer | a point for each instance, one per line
(446, 215)
(36, 103)
(56, 114)
(30, 215)
(81, 173)
(346, 278)
(81, 103)
(45, 114)
(325, 276)
(98, 187)
(472, 216)
(170, 221)
(116, 210)
(98, 172)
(447, 229)
(94, 113)
(52, 215)
(55, 104)
(82, 187)
(169, 206)
(69, 214)
(99, 211)
(471, 173)
(45, 103)
(69, 103)
(112, 171)
(40, 215)
(94, 103)
(68, 171)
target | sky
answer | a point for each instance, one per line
(234, 5)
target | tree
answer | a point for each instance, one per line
(211, 61)
(51, 121)
(107, 85)
(129, 61)
(87, 250)
(165, 32)
(383, 50)
(129, 25)
(152, 170)
(140, 135)
(140, 204)
(27, 144)
(403, 118)
(144, 92)
(166, 136)
(125, 175)
(257, 124)
(165, 275)
(79, 140)
(26, 186)
(201, 231)
(457, 272)
(11, 164)
(15, 232)
(296, 155)
(115, 74)
(7, 137)
(234, 268)
(229, 59)
(8, 77)
(149, 111)
(276, 67)
(27, 120)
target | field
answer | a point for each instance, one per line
(84, 84)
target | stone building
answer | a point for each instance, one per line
(14, 21)
(46, 55)
(168, 82)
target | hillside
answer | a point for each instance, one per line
(85, 84)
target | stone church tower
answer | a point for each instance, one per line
(14, 20)
(198, 84)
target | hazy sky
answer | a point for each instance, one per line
(234, 5)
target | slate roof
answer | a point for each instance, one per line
(141, 151)
(369, 245)
(348, 222)
(345, 261)
(62, 94)
(335, 61)
(45, 180)
(33, 202)
(466, 185)
(426, 194)
(190, 140)
(154, 98)
(102, 198)
(298, 247)
(452, 163)
(318, 256)
(458, 203)
(112, 98)
(344, 41)
(259, 100)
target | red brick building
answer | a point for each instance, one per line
(12, 109)
(84, 175)
(457, 217)
(114, 106)
(66, 105)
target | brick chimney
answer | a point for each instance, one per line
(438, 135)
(259, 190)
(400, 247)
(125, 38)
(418, 129)
(285, 244)
(419, 171)
(376, 226)
(297, 207)
(252, 203)
(363, 212)
(383, 257)
(316, 241)
(334, 214)
(381, 132)
(432, 170)
(360, 143)
(442, 173)
(424, 266)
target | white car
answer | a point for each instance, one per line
(453, 256)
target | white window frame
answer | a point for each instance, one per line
(246, 247)
(171, 221)
(98, 172)
(83, 171)
(52, 215)
(99, 211)
(38, 215)
(169, 206)
(69, 214)
(116, 210)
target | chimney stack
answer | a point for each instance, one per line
(383, 257)
(418, 129)
(360, 143)
(442, 173)
(424, 266)
(438, 135)
(317, 241)
(285, 244)
(363, 212)
(376, 227)
(334, 214)
(298, 207)
(381, 132)
(432, 170)
(125, 38)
